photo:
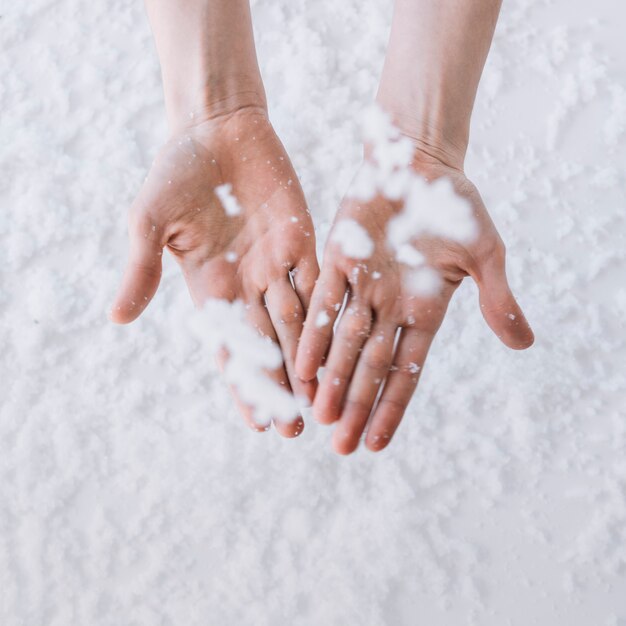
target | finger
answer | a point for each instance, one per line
(352, 332)
(305, 275)
(325, 304)
(245, 410)
(141, 278)
(371, 370)
(287, 316)
(399, 387)
(260, 319)
(499, 307)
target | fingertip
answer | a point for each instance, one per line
(343, 443)
(525, 342)
(518, 335)
(258, 428)
(126, 312)
(377, 443)
(120, 316)
(290, 430)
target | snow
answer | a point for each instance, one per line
(229, 202)
(131, 492)
(222, 325)
(423, 281)
(434, 209)
(408, 255)
(353, 239)
(428, 208)
(322, 319)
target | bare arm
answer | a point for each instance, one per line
(208, 59)
(434, 61)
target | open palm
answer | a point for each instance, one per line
(262, 251)
(362, 358)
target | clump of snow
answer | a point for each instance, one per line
(322, 319)
(229, 202)
(432, 209)
(222, 325)
(408, 255)
(423, 281)
(388, 170)
(353, 239)
(428, 208)
(413, 368)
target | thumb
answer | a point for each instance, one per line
(499, 307)
(141, 278)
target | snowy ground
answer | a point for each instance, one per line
(131, 493)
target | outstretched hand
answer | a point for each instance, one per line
(364, 357)
(259, 246)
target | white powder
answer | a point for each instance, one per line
(424, 281)
(353, 239)
(322, 319)
(222, 326)
(408, 255)
(229, 202)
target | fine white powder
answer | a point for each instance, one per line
(229, 202)
(353, 239)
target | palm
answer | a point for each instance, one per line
(252, 256)
(366, 356)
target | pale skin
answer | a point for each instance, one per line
(436, 53)
(220, 133)
(266, 256)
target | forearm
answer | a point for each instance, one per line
(207, 55)
(434, 61)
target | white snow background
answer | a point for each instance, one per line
(131, 493)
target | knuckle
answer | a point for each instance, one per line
(142, 223)
(150, 269)
(304, 277)
(499, 251)
(376, 362)
(357, 327)
(500, 306)
(290, 313)
(334, 377)
(491, 252)
(358, 407)
(395, 406)
(358, 322)
(349, 266)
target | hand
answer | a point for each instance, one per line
(251, 256)
(360, 357)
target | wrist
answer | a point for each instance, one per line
(211, 97)
(436, 137)
(208, 58)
